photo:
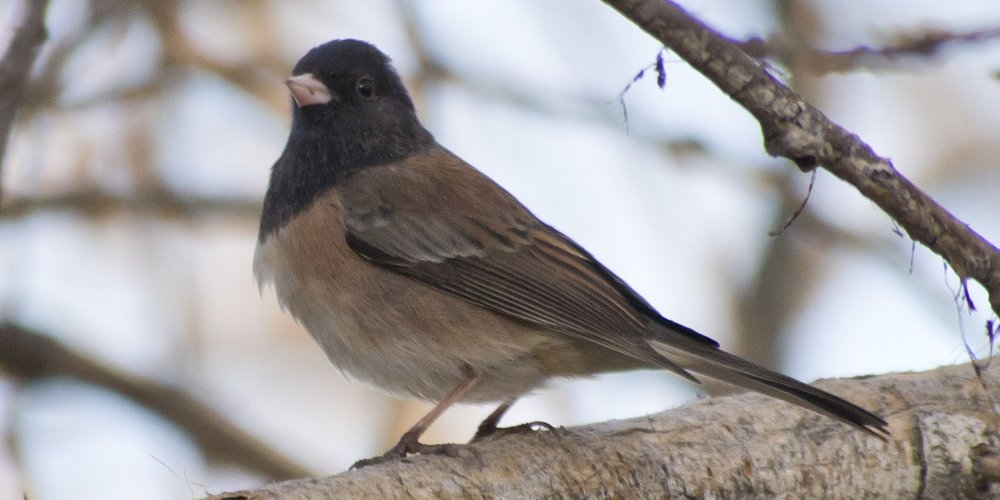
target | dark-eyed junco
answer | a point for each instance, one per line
(420, 275)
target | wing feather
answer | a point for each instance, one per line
(501, 258)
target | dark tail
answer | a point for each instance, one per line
(711, 361)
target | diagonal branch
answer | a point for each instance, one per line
(29, 355)
(794, 129)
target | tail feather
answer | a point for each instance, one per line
(718, 364)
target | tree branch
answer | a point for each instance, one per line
(945, 443)
(15, 67)
(792, 128)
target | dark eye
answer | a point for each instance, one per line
(366, 88)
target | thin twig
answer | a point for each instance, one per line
(906, 46)
(798, 211)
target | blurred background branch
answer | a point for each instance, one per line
(16, 66)
(914, 46)
(162, 204)
(31, 356)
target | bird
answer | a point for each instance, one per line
(418, 274)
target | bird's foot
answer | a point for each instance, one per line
(489, 428)
(405, 448)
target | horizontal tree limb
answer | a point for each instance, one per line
(945, 443)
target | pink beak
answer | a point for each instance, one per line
(307, 90)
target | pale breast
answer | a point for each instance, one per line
(393, 332)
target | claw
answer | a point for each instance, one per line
(404, 449)
(487, 429)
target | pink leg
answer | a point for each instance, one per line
(410, 443)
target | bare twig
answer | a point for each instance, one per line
(798, 211)
(926, 43)
(30, 355)
(794, 129)
(15, 67)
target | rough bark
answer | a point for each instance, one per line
(945, 443)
